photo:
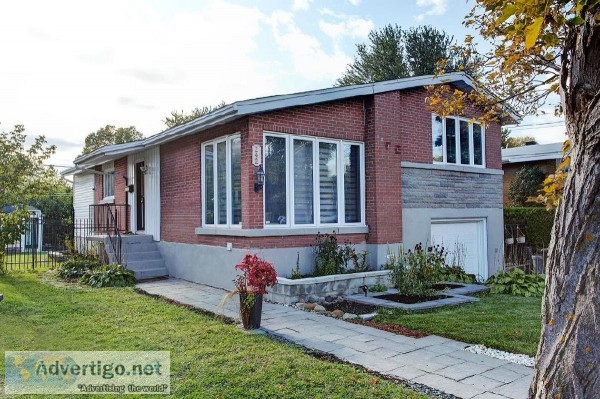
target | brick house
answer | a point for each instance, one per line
(369, 162)
(547, 157)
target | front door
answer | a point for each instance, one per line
(140, 209)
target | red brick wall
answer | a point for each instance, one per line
(120, 183)
(383, 172)
(415, 130)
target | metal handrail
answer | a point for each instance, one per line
(115, 238)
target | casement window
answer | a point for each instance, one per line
(458, 141)
(312, 181)
(222, 182)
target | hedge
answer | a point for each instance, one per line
(535, 222)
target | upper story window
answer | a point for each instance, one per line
(457, 141)
(312, 181)
(222, 182)
(108, 181)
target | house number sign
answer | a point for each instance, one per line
(256, 154)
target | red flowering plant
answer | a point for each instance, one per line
(257, 275)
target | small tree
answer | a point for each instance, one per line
(527, 183)
(23, 177)
(108, 135)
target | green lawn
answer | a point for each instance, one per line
(23, 261)
(209, 359)
(503, 322)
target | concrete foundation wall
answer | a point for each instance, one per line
(214, 265)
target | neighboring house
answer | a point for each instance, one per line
(547, 157)
(368, 162)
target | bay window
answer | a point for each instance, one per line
(222, 182)
(458, 141)
(312, 181)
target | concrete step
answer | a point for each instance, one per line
(150, 273)
(131, 248)
(145, 255)
(145, 264)
(136, 239)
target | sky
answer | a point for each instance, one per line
(71, 67)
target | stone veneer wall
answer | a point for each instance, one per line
(437, 188)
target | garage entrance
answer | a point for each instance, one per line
(464, 240)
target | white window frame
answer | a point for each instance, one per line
(290, 214)
(229, 195)
(457, 120)
(106, 170)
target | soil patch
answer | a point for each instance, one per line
(407, 332)
(410, 299)
(351, 307)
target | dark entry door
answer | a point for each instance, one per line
(139, 196)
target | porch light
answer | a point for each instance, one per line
(260, 179)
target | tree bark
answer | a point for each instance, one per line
(567, 364)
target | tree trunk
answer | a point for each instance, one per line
(567, 365)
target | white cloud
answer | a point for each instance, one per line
(352, 27)
(309, 59)
(355, 2)
(435, 7)
(301, 5)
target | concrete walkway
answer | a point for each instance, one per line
(436, 362)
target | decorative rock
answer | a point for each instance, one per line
(330, 298)
(337, 313)
(310, 306)
(327, 313)
(320, 309)
(300, 305)
(348, 316)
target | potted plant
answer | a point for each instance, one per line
(257, 274)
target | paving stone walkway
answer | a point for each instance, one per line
(436, 362)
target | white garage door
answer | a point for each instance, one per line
(464, 240)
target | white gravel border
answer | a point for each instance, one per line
(498, 354)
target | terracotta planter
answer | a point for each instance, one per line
(251, 315)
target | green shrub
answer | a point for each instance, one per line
(456, 274)
(416, 271)
(109, 276)
(332, 258)
(526, 183)
(74, 268)
(517, 283)
(378, 288)
(536, 224)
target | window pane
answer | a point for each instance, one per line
(275, 181)
(109, 184)
(450, 140)
(236, 181)
(222, 182)
(477, 144)
(209, 185)
(437, 142)
(328, 182)
(352, 183)
(464, 143)
(303, 182)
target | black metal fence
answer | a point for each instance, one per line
(46, 243)
(43, 244)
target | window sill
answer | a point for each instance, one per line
(453, 168)
(107, 200)
(280, 232)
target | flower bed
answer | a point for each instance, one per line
(288, 291)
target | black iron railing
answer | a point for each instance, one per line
(107, 218)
